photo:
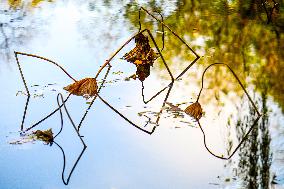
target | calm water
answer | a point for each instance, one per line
(82, 35)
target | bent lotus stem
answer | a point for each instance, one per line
(43, 58)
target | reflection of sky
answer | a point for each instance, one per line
(118, 155)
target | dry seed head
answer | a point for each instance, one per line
(194, 110)
(83, 87)
(142, 53)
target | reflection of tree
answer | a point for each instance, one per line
(234, 32)
(107, 15)
(16, 25)
(11, 31)
(265, 153)
(255, 155)
(19, 3)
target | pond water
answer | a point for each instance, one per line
(82, 35)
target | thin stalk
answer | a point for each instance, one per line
(48, 60)
(142, 8)
(237, 78)
(115, 53)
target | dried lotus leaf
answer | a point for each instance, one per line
(83, 87)
(151, 57)
(194, 110)
(142, 53)
(45, 136)
(133, 55)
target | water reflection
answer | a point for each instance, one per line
(219, 31)
(247, 36)
(48, 138)
(61, 102)
(139, 57)
(255, 154)
(228, 38)
(17, 25)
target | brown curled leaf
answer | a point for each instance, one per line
(142, 56)
(85, 87)
(194, 110)
(142, 53)
(45, 136)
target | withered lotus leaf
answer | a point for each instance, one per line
(45, 136)
(142, 52)
(194, 110)
(83, 87)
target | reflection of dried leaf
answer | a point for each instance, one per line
(173, 107)
(84, 87)
(45, 136)
(143, 71)
(23, 140)
(194, 110)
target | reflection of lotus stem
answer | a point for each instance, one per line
(237, 78)
(239, 145)
(251, 101)
(53, 112)
(72, 122)
(126, 119)
(142, 8)
(66, 181)
(86, 112)
(162, 21)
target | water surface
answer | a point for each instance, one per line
(82, 35)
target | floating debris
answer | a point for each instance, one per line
(134, 76)
(117, 73)
(45, 136)
(21, 93)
